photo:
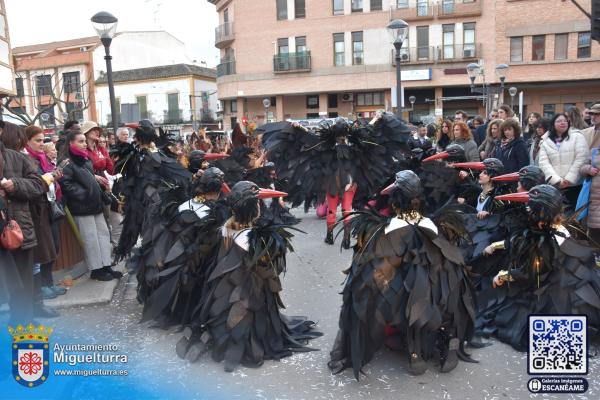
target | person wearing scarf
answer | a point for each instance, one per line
(83, 195)
(45, 253)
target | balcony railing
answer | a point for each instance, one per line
(459, 52)
(226, 67)
(434, 54)
(413, 11)
(458, 8)
(224, 34)
(291, 62)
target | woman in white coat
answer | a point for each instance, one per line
(562, 152)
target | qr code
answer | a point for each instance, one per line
(557, 344)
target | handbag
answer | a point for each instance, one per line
(583, 200)
(11, 237)
(56, 211)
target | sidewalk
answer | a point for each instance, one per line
(86, 291)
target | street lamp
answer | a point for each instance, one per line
(105, 25)
(474, 70)
(266, 104)
(512, 91)
(412, 100)
(398, 29)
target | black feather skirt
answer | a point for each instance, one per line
(241, 315)
(410, 279)
(549, 279)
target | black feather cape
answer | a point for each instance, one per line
(145, 172)
(549, 278)
(312, 165)
(241, 316)
(411, 279)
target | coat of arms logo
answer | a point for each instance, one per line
(30, 354)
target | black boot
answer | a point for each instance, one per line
(329, 237)
(101, 274)
(448, 346)
(346, 241)
(112, 272)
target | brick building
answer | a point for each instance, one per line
(334, 57)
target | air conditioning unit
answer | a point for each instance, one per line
(219, 106)
(469, 53)
(347, 97)
(404, 57)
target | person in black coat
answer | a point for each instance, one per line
(421, 141)
(511, 150)
(85, 200)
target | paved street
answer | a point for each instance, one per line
(311, 288)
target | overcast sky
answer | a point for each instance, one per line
(191, 21)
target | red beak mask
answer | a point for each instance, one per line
(522, 197)
(439, 156)
(225, 188)
(388, 189)
(512, 177)
(215, 156)
(477, 166)
(269, 194)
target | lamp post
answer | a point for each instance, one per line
(44, 117)
(398, 29)
(512, 91)
(105, 25)
(474, 70)
(266, 104)
(412, 100)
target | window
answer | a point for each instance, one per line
(338, 49)
(281, 9)
(422, 6)
(332, 114)
(273, 100)
(423, 42)
(283, 46)
(44, 85)
(74, 110)
(299, 9)
(233, 106)
(568, 106)
(142, 101)
(357, 48)
(226, 16)
(448, 6)
(561, 46)
(469, 39)
(401, 3)
(20, 88)
(584, 45)
(357, 5)
(301, 44)
(448, 40)
(538, 47)
(338, 7)
(313, 116)
(370, 99)
(376, 5)
(549, 110)
(71, 82)
(312, 101)
(516, 49)
(173, 104)
(332, 100)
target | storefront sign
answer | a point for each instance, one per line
(416, 75)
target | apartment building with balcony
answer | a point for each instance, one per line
(552, 58)
(335, 58)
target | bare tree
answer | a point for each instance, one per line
(58, 97)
